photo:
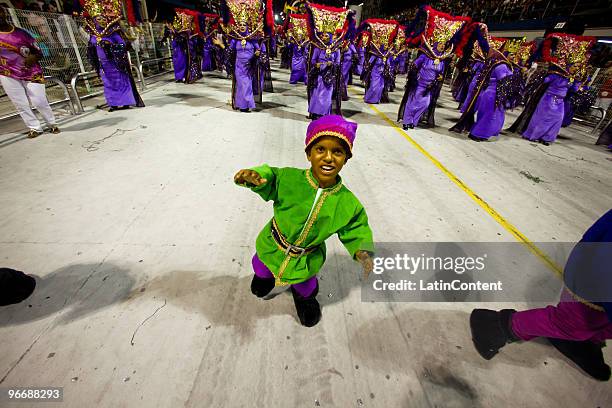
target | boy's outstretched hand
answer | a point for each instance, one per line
(366, 262)
(249, 178)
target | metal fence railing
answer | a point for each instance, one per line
(64, 42)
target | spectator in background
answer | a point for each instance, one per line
(22, 77)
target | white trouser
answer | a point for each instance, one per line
(24, 93)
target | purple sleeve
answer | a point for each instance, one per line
(549, 79)
(420, 61)
(315, 55)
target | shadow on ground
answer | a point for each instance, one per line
(75, 291)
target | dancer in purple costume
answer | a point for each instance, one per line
(377, 79)
(474, 74)
(185, 45)
(323, 79)
(299, 56)
(428, 75)
(493, 90)
(349, 53)
(549, 112)
(108, 53)
(543, 115)
(425, 75)
(241, 58)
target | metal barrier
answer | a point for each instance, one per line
(66, 101)
(600, 121)
(75, 92)
(153, 61)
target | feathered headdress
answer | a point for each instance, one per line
(383, 33)
(324, 21)
(474, 41)
(567, 50)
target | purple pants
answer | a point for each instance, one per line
(569, 320)
(304, 289)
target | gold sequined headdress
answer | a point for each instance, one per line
(440, 29)
(568, 50)
(383, 32)
(107, 8)
(253, 15)
(324, 21)
(183, 21)
(297, 27)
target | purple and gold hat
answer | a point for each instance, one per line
(332, 125)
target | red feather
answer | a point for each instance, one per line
(131, 17)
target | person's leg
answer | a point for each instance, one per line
(306, 304)
(306, 288)
(263, 279)
(569, 320)
(38, 96)
(16, 92)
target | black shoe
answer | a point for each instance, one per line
(491, 330)
(260, 287)
(586, 354)
(113, 108)
(545, 143)
(15, 286)
(474, 138)
(245, 110)
(308, 309)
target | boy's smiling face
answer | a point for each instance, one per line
(327, 156)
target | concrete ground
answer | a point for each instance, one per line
(142, 244)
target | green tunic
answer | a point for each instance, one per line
(307, 215)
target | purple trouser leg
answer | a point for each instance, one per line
(569, 320)
(304, 289)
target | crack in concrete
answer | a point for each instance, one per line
(145, 320)
(95, 145)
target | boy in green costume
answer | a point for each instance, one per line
(309, 206)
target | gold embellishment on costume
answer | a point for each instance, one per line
(110, 28)
(327, 21)
(427, 50)
(307, 228)
(381, 34)
(183, 22)
(312, 183)
(298, 30)
(107, 8)
(444, 29)
(331, 133)
(8, 32)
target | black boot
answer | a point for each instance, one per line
(260, 287)
(308, 309)
(491, 330)
(15, 286)
(586, 354)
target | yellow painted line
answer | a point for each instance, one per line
(479, 200)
